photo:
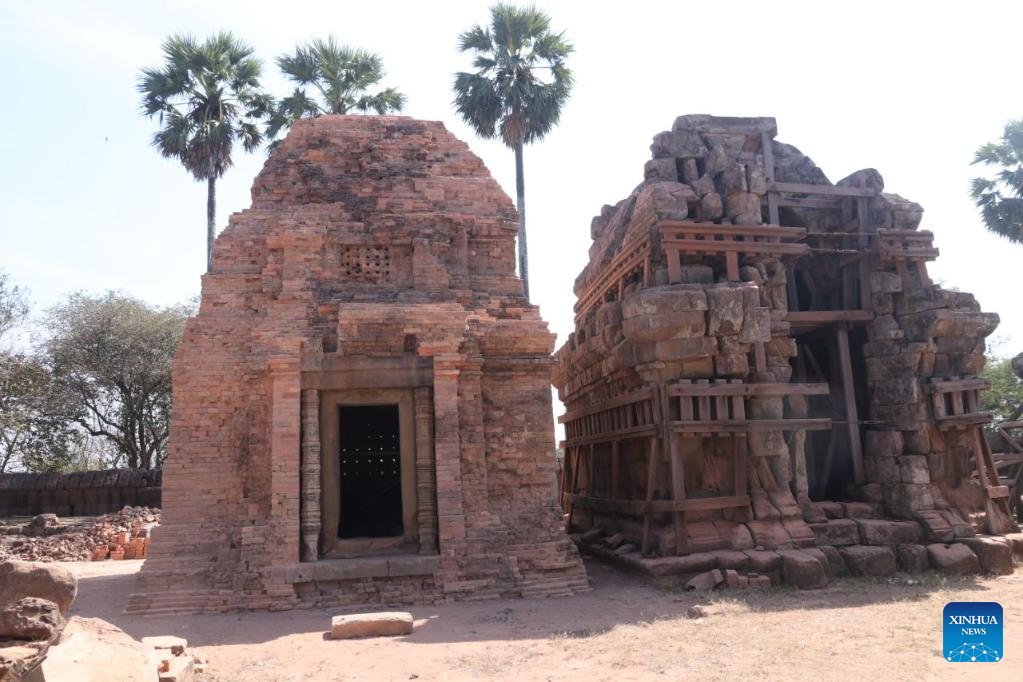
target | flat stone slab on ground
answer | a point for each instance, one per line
(384, 624)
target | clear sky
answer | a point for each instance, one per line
(909, 88)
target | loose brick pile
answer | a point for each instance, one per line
(120, 535)
(378, 255)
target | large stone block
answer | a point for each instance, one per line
(725, 306)
(994, 553)
(836, 532)
(762, 561)
(26, 579)
(93, 650)
(671, 298)
(883, 443)
(802, 570)
(869, 560)
(912, 558)
(1015, 541)
(769, 534)
(908, 497)
(885, 532)
(665, 326)
(384, 624)
(31, 618)
(835, 563)
(661, 170)
(680, 144)
(680, 565)
(914, 469)
(663, 201)
(953, 559)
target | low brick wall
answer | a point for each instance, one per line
(85, 493)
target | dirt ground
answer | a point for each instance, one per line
(857, 629)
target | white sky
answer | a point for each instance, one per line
(909, 88)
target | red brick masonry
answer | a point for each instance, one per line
(377, 259)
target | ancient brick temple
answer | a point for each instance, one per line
(362, 409)
(763, 378)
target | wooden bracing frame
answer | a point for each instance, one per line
(667, 418)
(703, 409)
(1008, 462)
(955, 404)
(681, 238)
(904, 248)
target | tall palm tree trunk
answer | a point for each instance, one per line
(211, 219)
(520, 191)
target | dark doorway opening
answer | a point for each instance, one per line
(829, 455)
(371, 505)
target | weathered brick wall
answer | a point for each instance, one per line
(379, 253)
(83, 493)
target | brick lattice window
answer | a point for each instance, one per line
(370, 264)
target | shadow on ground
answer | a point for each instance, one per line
(617, 598)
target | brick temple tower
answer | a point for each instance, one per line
(362, 408)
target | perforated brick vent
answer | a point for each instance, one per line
(370, 264)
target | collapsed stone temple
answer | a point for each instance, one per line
(763, 377)
(362, 408)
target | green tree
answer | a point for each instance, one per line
(517, 90)
(342, 77)
(13, 304)
(35, 431)
(1006, 394)
(208, 97)
(111, 357)
(1000, 199)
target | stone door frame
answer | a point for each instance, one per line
(330, 472)
(391, 380)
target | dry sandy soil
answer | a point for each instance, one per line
(857, 629)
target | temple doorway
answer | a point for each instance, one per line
(370, 462)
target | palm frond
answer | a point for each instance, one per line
(343, 76)
(476, 38)
(207, 95)
(520, 82)
(1000, 198)
(478, 103)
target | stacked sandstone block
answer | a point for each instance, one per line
(703, 327)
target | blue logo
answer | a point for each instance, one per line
(972, 632)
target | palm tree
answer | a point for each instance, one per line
(342, 76)
(517, 91)
(207, 96)
(1001, 200)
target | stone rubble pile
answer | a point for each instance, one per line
(852, 542)
(120, 535)
(33, 602)
(37, 642)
